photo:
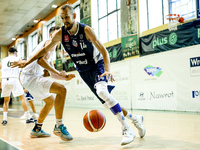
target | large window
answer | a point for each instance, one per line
(152, 13)
(77, 11)
(20, 49)
(186, 8)
(49, 26)
(108, 20)
(34, 40)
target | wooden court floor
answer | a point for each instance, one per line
(165, 131)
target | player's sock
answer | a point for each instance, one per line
(131, 116)
(116, 110)
(58, 122)
(5, 115)
(27, 114)
(37, 127)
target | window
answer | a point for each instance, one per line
(20, 49)
(49, 26)
(34, 40)
(77, 11)
(186, 8)
(151, 17)
(109, 20)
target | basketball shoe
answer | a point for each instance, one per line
(139, 125)
(62, 132)
(30, 120)
(4, 123)
(127, 136)
(35, 116)
(40, 133)
(23, 117)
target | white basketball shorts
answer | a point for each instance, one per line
(38, 86)
(11, 85)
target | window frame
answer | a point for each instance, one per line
(117, 10)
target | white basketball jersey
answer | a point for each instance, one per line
(6, 70)
(34, 68)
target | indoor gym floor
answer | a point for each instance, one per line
(165, 131)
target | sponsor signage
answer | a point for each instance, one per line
(196, 94)
(195, 66)
(187, 34)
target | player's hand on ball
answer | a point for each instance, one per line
(109, 76)
(69, 77)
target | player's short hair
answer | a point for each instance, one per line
(53, 29)
(71, 9)
(12, 50)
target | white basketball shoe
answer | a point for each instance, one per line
(35, 116)
(23, 117)
(127, 136)
(139, 125)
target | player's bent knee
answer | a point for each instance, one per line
(103, 94)
(63, 89)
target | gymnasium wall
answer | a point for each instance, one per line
(164, 81)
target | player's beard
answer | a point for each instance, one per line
(69, 27)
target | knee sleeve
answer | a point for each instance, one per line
(105, 106)
(103, 93)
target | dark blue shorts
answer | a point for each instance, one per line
(92, 76)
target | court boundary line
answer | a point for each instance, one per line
(11, 144)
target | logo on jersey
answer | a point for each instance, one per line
(74, 43)
(8, 64)
(66, 38)
(81, 36)
(68, 46)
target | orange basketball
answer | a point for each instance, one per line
(181, 20)
(94, 121)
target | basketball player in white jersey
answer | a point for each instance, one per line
(42, 88)
(10, 83)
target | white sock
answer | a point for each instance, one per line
(58, 122)
(122, 120)
(131, 117)
(28, 115)
(5, 115)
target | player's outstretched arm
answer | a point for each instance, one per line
(90, 35)
(57, 36)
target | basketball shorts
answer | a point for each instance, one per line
(11, 85)
(92, 76)
(38, 86)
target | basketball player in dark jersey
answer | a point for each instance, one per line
(93, 64)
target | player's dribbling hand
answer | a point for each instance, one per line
(19, 64)
(69, 77)
(109, 76)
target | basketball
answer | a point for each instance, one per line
(181, 20)
(94, 121)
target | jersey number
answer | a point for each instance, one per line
(83, 45)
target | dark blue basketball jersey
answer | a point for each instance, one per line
(82, 52)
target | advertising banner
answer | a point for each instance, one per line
(69, 65)
(59, 64)
(85, 12)
(168, 80)
(187, 35)
(115, 53)
(129, 28)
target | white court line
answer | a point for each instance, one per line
(12, 144)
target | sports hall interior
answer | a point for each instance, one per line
(155, 60)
